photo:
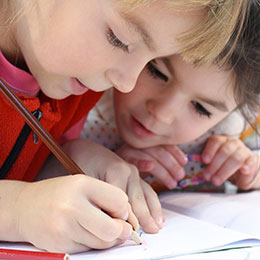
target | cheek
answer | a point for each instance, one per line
(189, 131)
(134, 99)
(72, 58)
(84, 51)
(122, 102)
(126, 105)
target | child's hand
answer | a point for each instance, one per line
(165, 162)
(105, 165)
(66, 214)
(228, 158)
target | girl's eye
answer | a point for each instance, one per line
(200, 109)
(115, 41)
(155, 73)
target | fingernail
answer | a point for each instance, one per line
(207, 176)
(159, 221)
(180, 174)
(206, 158)
(216, 181)
(245, 169)
(184, 160)
(145, 165)
(142, 165)
(156, 226)
(172, 184)
(125, 215)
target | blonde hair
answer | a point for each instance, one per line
(204, 43)
(11, 13)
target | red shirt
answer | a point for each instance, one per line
(58, 116)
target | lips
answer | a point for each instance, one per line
(140, 129)
(77, 87)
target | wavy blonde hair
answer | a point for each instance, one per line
(205, 42)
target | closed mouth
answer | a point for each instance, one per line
(140, 129)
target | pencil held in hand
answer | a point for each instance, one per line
(134, 236)
(46, 137)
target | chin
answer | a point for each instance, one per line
(58, 96)
(137, 143)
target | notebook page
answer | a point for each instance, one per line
(180, 235)
(239, 212)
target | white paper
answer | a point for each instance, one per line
(240, 212)
(180, 235)
(190, 230)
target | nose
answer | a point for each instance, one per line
(163, 110)
(125, 75)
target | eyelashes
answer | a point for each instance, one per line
(153, 71)
(114, 41)
(200, 109)
(157, 74)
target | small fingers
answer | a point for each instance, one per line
(132, 219)
(212, 146)
(249, 172)
(228, 154)
(137, 157)
(83, 237)
(164, 176)
(153, 204)
(228, 168)
(103, 226)
(250, 165)
(142, 165)
(118, 174)
(177, 153)
(139, 205)
(167, 161)
(230, 157)
(107, 197)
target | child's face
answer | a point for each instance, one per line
(173, 103)
(72, 46)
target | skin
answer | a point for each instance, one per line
(70, 48)
(87, 51)
(160, 113)
(160, 106)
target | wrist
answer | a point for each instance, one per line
(10, 210)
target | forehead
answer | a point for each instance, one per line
(160, 25)
(209, 79)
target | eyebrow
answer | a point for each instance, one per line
(217, 104)
(138, 26)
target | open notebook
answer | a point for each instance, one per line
(196, 222)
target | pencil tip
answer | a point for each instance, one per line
(134, 236)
